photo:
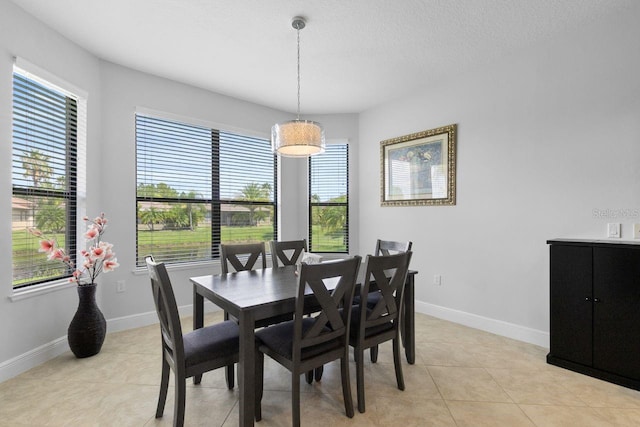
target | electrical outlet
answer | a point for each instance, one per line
(437, 280)
(613, 230)
(121, 286)
(636, 231)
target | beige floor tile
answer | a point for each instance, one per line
(488, 414)
(469, 384)
(408, 410)
(534, 387)
(565, 416)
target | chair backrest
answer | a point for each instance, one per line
(389, 272)
(231, 254)
(167, 311)
(388, 247)
(333, 286)
(287, 252)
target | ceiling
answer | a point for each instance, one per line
(355, 54)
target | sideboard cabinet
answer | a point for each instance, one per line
(595, 309)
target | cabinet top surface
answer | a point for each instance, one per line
(595, 242)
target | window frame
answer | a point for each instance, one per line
(215, 201)
(37, 82)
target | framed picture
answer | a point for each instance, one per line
(419, 169)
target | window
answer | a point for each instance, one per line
(329, 200)
(198, 187)
(44, 175)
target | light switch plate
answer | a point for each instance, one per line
(636, 231)
(613, 230)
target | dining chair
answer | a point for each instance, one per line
(389, 247)
(371, 326)
(286, 252)
(384, 247)
(191, 354)
(306, 343)
(242, 256)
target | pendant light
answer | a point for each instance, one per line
(298, 138)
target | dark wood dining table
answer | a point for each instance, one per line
(254, 295)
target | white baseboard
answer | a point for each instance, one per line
(31, 359)
(498, 327)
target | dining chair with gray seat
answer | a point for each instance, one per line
(191, 354)
(287, 252)
(384, 247)
(374, 325)
(305, 343)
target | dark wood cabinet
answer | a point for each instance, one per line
(595, 309)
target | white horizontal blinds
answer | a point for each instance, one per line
(190, 185)
(173, 190)
(44, 176)
(247, 189)
(329, 200)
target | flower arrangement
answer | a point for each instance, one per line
(99, 257)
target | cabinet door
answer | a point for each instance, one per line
(616, 286)
(571, 306)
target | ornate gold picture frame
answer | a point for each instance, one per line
(419, 169)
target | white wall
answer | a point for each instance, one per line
(545, 137)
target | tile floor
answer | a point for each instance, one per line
(462, 377)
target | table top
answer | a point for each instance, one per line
(262, 291)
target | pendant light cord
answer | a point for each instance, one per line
(298, 113)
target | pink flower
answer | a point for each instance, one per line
(110, 265)
(92, 233)
(46, 245)
(98, 252)
(56, 254)
(35, 232)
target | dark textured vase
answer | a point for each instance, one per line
(88, 328)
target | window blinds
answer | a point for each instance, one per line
(44, 177)
(329, 200)
(198, 187)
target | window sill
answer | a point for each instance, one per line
(37, 290)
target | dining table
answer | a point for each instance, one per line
(256, 295)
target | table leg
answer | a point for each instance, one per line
(198, 320)
(409, 324)
(246, 369)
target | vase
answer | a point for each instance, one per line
(88, 328)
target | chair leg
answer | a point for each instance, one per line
(295, 399)
(374, 353)
(180, 397)
(197, 379)
(318, 373)
(359, 354)
(346, 386)
(164, 385)
(229, 375)
(309, 376)
(259, 384)
(397, 361)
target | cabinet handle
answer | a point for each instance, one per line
(587, 299)
(596, 300)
